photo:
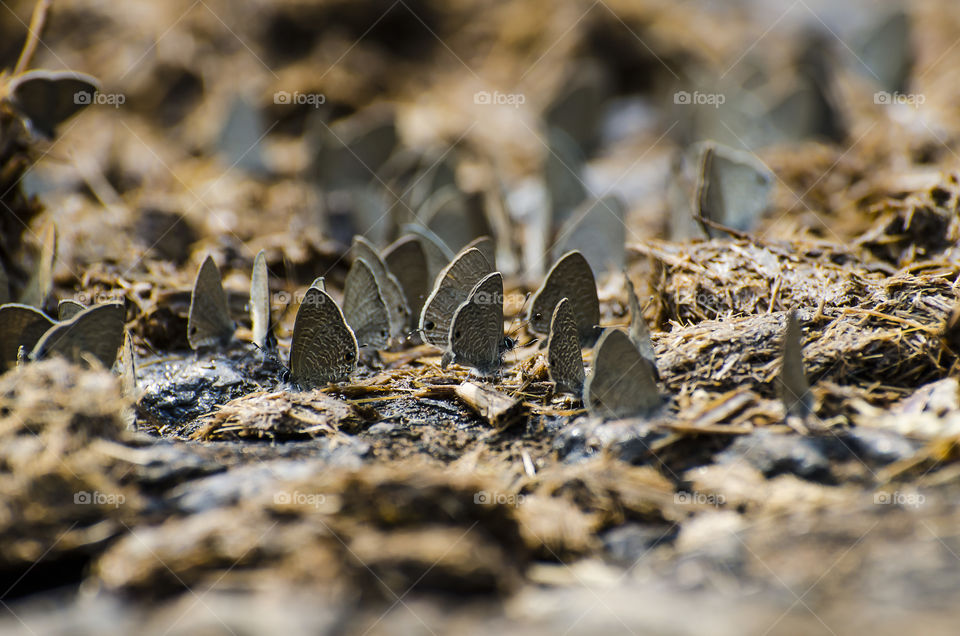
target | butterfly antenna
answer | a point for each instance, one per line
(518, 321)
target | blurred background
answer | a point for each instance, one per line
(289, 125)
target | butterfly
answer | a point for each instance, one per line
(209, 323)
(48, 98)
(364, 307)
(406, 259)
(476, 332)
(390, 289)
(621, 383)
(260, 303)
(564, 358)
(324, 348)
(570, 277)
(639, 331)
(67, 309)
(793, 386)
(450, 290)
(96, 331)
(733, 189)
(21, 326)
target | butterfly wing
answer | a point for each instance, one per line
(20, 326)
(792, 383)
(260, 300)
(570, 277)
(390, 289)
(450, 290)
(621, 383)
(323, 348)
(363, 306)
(407, 261)
(564, 358)
(476, 333)
(96, 331)
(48, 98)
(209, 323)
(639, 332)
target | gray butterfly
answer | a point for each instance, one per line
(792, 383)
(390, 288)
(621, 383)
(733, 190)
(47, 98)
(407, 261)
(209, 323)
(20, 326)
(364, 308)
(323, 348)
(596, 229)
(570, 277)
(476, 332)
(96, 331)
(487, 248)
(438, 254)
(67, 309)
(260, 302)
(450, 290)
(639, 331)
(563, 174)
(564, 358)
(452, 216)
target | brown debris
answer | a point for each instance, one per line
(500, 411)
(279, 415)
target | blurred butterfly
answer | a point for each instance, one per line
(794, 389)
(364, 308)
(733, 190)
(209, 323)
(96, 331)
(260, 304)
(390, 288)
(67, 309)
(21, 326)
(621, 383)
(639, 331)
(48, 98)
(324, 348)
(407, 261)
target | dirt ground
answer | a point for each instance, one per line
(214, 498)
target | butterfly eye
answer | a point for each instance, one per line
(456, 334)
(429, 324)
(538, 316)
